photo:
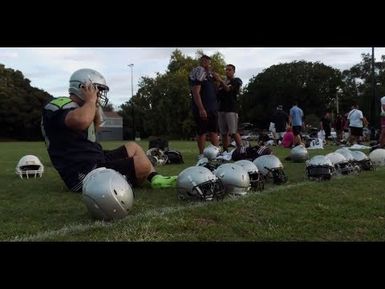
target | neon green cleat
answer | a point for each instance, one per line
(160, 182)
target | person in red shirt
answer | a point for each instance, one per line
(288, 138)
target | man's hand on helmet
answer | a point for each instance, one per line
(90, 92)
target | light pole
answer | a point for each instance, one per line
(132, 100)
(372, 106)
(339, 91)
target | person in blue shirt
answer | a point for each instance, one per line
(296, 120)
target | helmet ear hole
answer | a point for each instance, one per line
(107, 194)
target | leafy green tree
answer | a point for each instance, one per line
(314, 85)
(162, 105)
(20, 106)
(358, 88)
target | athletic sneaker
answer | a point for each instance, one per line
(200, 156)
(160, 182)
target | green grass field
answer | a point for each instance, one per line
(349, 208)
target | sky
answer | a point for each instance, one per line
(50, 68)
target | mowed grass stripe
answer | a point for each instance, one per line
(78, 228)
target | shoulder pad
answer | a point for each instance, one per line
(61, 103)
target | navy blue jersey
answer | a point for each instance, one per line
(228, 99)
(200, 76)
(72, 153)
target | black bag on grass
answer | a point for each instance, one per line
(174, 157)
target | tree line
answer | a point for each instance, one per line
(162, 104)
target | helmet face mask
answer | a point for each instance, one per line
(256, 179)
(341, 164)
(319, 168)
(271, 168)
(199, 184)
(157, 157)
(208, 191)
(29, 166)
(85, 76)
(362, 160)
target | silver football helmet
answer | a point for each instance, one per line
(340, 163)
(346, 153)
(299, 154)
(271, 167)
(235, 178)
(29, 166)
(256, 179)
(349, 157)
(362, 160)
(319, 168)
(211, 152)
(84, 76)
(107, 194)
(199, 183)
(378, 157)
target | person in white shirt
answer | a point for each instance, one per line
(356, 124)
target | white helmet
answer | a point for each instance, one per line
(378, 157)
(299, 154)
(107, 194)
(84, 76)
(235, 178)
(319, 168)
(202, 162)
(363, 160)
(199, 183)
(256, 180)
(211, 152)
(340, 163)
(157, 156)
(29, 166)
(346, 153)
(271, 167)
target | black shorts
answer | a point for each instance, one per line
(119, 160)
(356, 131)
(327, 133)
(207, 125)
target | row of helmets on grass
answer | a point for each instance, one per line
(343, 161)
(107, 194)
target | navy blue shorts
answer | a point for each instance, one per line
(119, 160)
(206, 125)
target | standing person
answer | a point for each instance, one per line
(382, 133)
(204, 103)
(339, 126)
(228, 109)
(281, 121)
(69, 127)
(296, 119)
(325, 125)
(356, 124)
